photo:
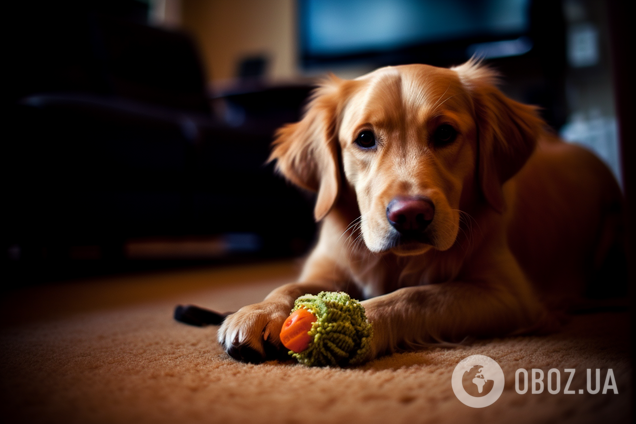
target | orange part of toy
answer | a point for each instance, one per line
(295, 332)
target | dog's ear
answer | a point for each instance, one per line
(507, 131)
(307, 151)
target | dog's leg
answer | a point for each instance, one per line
(252, 333)
(449, 312)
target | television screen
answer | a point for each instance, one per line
(384, 31)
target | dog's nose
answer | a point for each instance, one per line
(410, 214)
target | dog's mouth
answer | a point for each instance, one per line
(407, 244)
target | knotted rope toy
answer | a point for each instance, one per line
(327, 329)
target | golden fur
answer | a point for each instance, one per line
(520, 216)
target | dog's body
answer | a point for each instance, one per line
(446, 205)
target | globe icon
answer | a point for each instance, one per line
(477, 382)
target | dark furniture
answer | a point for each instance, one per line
(114, 139)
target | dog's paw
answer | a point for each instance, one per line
(252, 333)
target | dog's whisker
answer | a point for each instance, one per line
(447, 99)
(357, 242)
(353, 229)
(470, 231)
(465, 228)
(351, 226)
(434, 108)
(350, 241)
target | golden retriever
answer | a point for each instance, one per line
(449, 207)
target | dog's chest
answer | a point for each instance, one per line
(384, 274)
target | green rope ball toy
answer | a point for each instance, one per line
(327, 329)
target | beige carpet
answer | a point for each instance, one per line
(108, 351)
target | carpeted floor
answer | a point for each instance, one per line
(108, 351)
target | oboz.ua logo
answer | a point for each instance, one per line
(478, 381)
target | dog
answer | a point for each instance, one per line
(451, 209)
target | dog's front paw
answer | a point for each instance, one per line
(384, 337)
(252, 333)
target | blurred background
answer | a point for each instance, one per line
(138, 131)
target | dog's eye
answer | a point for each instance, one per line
(444, 134)
(366, 139)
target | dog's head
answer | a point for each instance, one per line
(417, 144)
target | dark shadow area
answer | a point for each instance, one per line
(114, 140)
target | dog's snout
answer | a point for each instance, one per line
(410, 214)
